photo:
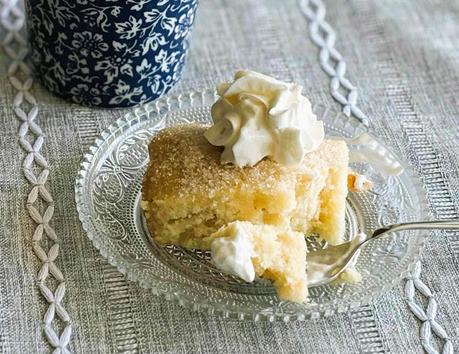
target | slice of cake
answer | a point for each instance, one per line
(188, 194)
(252, 185)
(244, 249)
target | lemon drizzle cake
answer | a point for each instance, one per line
(252, 185)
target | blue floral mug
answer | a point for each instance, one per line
(109, 53)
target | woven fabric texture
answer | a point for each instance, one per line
(403, 58)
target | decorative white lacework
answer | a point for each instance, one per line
(427, 316)
(331, 61)
(39, 204)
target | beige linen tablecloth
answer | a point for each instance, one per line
(403, 56)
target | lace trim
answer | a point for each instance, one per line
(39, 204)
(331, 61)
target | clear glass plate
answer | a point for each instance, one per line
(108, 192)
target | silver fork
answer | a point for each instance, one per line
(334, 260)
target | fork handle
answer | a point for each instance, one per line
(418, 225)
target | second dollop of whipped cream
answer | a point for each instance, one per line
(233, 253)
(258, 116)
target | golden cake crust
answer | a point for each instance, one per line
(183, 162)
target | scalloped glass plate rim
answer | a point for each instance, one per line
(185, 300)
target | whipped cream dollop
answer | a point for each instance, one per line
(258, 116)
(233, 253)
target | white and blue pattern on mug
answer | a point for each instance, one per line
(109, 53)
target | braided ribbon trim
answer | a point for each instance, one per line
(323, 36)
(427, 316)
(39, 204)
(331, 61)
